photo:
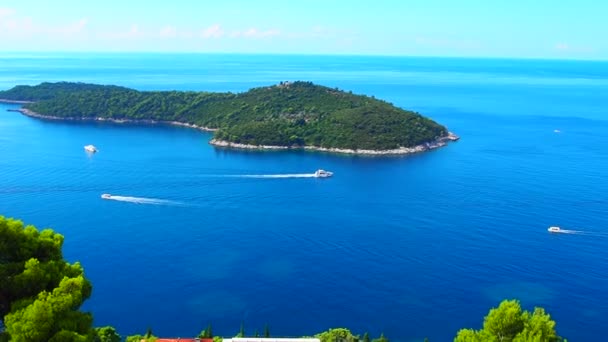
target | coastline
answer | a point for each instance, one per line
(15, 101)
(439, 142)
(30, 113)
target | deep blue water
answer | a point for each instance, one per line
(412, 246)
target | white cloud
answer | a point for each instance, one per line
(168, 31)
(131, 33)
(213, 31)
(70, 29)
(5, 12)
(255, 33)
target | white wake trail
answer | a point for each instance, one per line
(582, 232)
(293, 175)
(143, 200)
(566, 231)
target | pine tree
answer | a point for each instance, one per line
(242, 331)
(366, 337)
(266, 331)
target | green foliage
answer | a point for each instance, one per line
(139, 338)
(206, 333)
(40, 293)
(266, 331)
(52, 313)
(217, 339)
(366, 337)
(382, 338)
(509, 323)
(241, 330)
(336, 335)
(288, 114)
(106, 334)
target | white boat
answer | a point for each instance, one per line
(106, 196)
(90, 148)
(323, 174)
(554, 230)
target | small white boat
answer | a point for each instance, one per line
(106, 196)
(323, 174)
(90, 148)
(554, 230)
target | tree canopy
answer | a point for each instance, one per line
(40, 292)
(106, 334)
(288, 114)
(337, 335)
(509, 323)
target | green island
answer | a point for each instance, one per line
(296, 115)
(41, 294)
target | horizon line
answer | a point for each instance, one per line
(143, 52)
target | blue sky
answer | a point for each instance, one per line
(516, 28)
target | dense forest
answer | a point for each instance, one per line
(41, 295)
(292, 114)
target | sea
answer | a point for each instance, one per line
(410, 246)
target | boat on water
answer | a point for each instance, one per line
(106, 196)
(323, 174)
(554, 229)
(90, 148)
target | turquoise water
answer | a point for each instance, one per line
(410, 246)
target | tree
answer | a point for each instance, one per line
(207, 333)
(382, 338)
(40, 293)
(256, 333)
(106, 334)
(509, 323)
(366, 337)
(241, 331)
(52, 313)
(336, 335)
(266, 331)
(139, 338)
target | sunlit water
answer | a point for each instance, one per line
(410, 246)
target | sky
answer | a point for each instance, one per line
(563, 29)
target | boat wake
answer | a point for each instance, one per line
(141, 200)
(567, 231)
(293, 175)
(557, 230)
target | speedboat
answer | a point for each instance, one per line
(106, 196)
(554, 229)
(90, 148)
(323, 174)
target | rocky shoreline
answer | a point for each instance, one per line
(14, 101)
(440, 142)
(28, 112)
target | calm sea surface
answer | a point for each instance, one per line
(410, 246)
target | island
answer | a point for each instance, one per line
(288, 115)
